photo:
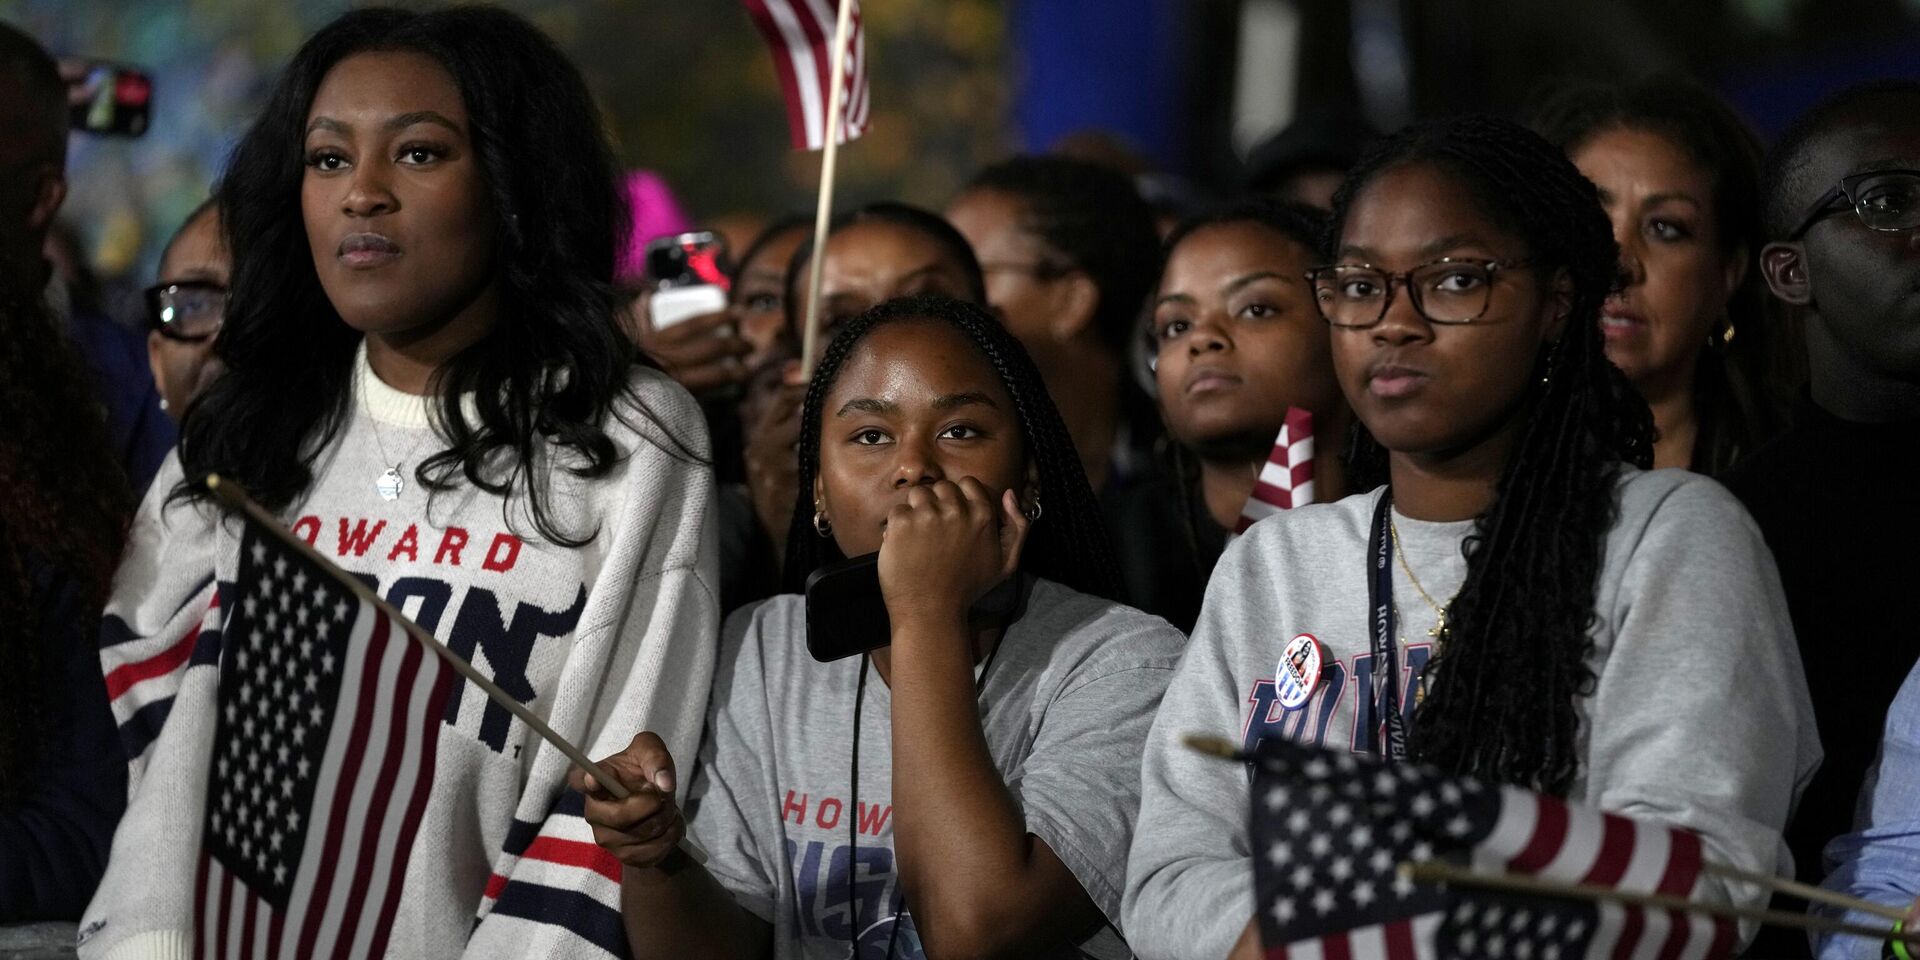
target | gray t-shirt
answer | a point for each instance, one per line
(1698, 718)
(1066, 705)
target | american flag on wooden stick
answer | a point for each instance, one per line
(800, 34)
(323, 757)
(1286, 481)
(1330, 830)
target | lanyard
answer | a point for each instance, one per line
(1386, 653)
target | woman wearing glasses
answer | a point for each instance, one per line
(1560, 619)
(185, 308)
(1679, 175)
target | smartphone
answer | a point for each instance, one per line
(109, 98)
(847, 615)
(689, 272)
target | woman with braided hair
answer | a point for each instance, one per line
(1561, 619)
(984, 785)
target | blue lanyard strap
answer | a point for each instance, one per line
(1386, 653)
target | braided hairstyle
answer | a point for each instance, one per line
(1067, 545)
(1742, 389)
(1095, 221)
(1514, 655)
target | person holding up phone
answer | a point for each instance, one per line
(965, 791)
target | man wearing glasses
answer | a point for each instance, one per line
(1834, 494)
(184, 310)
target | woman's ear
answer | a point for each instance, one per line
(1032, 491)
(820, 494)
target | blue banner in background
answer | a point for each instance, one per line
(1111, 65)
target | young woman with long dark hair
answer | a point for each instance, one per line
(965, 790)
(425, 380)
(1562, 619)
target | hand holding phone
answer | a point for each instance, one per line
(689, 277)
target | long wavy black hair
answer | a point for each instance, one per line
(1743, 389)
(1068, 544)
(64, 507)
(551, 371)
(1514, 655)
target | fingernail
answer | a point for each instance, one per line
(664, 781)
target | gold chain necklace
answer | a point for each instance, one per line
(1439, 612)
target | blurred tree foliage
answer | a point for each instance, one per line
(687, 88)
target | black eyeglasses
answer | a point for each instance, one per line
(190, 312)
(1884, 200)
(1450, 290)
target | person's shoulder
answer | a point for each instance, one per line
(1313, 525)
(655, 411)
(1099, 631)
(1672, 494)
(1661, 506)
(773, 620)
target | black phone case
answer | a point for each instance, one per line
(847, 615)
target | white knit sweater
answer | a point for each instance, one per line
(601, 641)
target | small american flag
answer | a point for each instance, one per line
(800, 34)
(1330, 829)
(1286, 481)
(323, 756)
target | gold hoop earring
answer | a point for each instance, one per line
(1033, 512)
(1726, 336)
(821, 524)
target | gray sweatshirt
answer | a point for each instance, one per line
(1699, 717)
(1066, 702)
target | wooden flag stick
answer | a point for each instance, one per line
(829, 161)
(1805, 891)
(1434, 871)
(1223, 748)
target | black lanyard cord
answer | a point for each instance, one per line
(853, 807)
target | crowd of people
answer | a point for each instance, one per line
(1611, 410)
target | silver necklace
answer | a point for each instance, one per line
(390, 483)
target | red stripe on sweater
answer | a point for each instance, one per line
(122, 678)
(573, 853)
